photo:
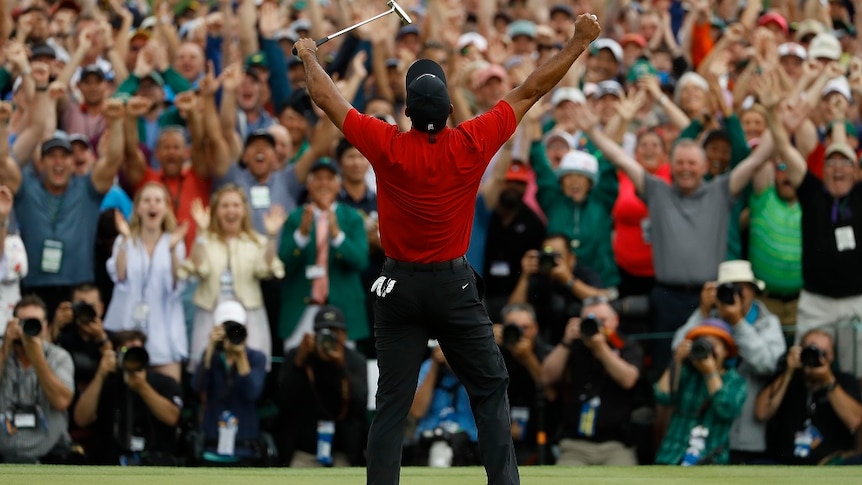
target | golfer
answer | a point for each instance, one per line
(427, 180)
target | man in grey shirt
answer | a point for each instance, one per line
(36, 388)
(687, 225)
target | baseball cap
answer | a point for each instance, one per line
(842, 149)
(473, 38)
(567, 93)
(579, 162)
(324, 163)
(715, 328)
(481, 76)
(79, 138)
(792, 49)
(521, 27)
(561, 8)
(229, 311)
(838, 85)
(60, 140)
(775, 18)
(258, 59)
(559, 134)
(157, 78)
(608, 44)
(42, 50)
(407, 30)
(633, 38)
(640, 68)
(329, 316)
(93, 69)
(808, 27)
(609, 87)
(65, 4)
(286, 34)
(518, 173)
(260, 134)
(301, 24)
(825, 45)
(428, 102)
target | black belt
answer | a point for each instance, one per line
(783, 298)
(695, 288)
(452, 264)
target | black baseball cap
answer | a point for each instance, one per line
(79, 138)
(428, 100)
(260, 134)
(42, 50)
(325, 163)
(94, 70)
(58, 141)
(329, 316)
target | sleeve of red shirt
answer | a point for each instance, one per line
(369, 135)
(701, 42)
(816, 159)
(492, 128)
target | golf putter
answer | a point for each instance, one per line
(393, 7)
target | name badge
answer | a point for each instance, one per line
(845, 239)
(500, 269)
(314, 271)
(646, 228)
(587, 422)
(140, 314)
(260, 197)
(24, 420)
(137, 443)
(520, 417)
(52, 256)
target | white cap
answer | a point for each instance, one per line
(792, 49)
(559, 134)
(229, 311)
(579, 162)
(474, 39)
(825, 46)
(838, 85)
(609, 44)
(567, 93)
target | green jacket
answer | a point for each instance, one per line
(589, 224)
(345, 267)
(170, 116)
(738, 152)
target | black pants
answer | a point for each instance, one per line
(672, 306)
(442, 301)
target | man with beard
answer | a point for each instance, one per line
(513, 230)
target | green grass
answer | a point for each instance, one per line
(647, 475)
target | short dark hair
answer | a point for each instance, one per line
(560, 235)
(123, 336)
(31, 300)
(519, 307)
(342, 147)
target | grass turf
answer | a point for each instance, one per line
(647, 475)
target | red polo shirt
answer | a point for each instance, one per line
(183, 190)
(426, 192)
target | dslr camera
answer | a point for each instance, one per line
(590, 326)
(512, 334)
(810, 356)
(325, 339)
(235, 332)
(547, 260)
(84, 313)
(701, 348)
(726, 293)
(133, 359)
(31, 327)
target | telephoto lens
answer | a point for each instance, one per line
(726, 293)
(31, 327)
(589, 326)
(810, 356)
(326, 339)
(235, 332)
(512, 334)
(547, 260)
(134, 359)
(701, 348)
(84, 313)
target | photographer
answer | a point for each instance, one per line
(706, 395)
(758, 335)
(231, 377)
(594, 371)
(78, 329)
(523, 352)
(324, 389)
(555, 283)
(35, 388)
(134, 412)
(813, 411)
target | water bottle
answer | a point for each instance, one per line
(696, 445)
(325, 432)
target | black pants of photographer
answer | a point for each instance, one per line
(442, 301)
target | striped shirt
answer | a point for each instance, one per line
(775, 242)
(19, 386)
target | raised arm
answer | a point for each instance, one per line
(741, 175)
(543, 79)
(109, 162)
(10, 173)
(219, 160)
(321, 88)
(796, 165)
(611, 151)
(134, 162)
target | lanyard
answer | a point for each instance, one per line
(147, 268)
(16, 387)
(840, 211)
(54, 210)
(175, 197)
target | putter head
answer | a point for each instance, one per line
(405, 19)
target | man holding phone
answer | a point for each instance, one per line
(758, 335)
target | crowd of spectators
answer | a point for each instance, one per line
(668, 242)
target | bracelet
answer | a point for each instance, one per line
(41, 89)
(663, 99)
(713, 374)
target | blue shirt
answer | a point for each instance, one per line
(281, 188)
(478, 236)
(71, 218)
(450, 404)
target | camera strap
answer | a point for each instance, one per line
(345, 395)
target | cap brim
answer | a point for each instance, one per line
(425, 66)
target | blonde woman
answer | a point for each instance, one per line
(144, 266)
(230, 259)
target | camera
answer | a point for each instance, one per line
(235, 332)
(810, 356)
(31, 327)
(133, 359)
(726, 293)
(590, 326)
(547, 260)
(326, 339)
(701, 348)
(84, 313)
(512, 334)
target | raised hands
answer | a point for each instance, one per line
(121, 224)
(270, 19)
(273, 220)
(766, 87)
(201, 215)
(179, 234)
(5, 114)
(186, 102)
(209, 84)
(138, 106)
(231, 77)
(587, 28)
(6, 198)
(114, 109)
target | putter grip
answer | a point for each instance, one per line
(318, 43)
